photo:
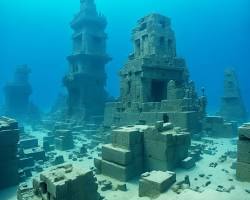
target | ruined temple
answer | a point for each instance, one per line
(232, 106)
(86, 78)
(155, 82)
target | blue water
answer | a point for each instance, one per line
(211, 35)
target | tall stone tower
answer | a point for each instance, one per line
(232, 106)
(86, 78)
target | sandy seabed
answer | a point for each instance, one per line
(221, 175)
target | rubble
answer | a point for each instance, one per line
(9, 136)
(62, 182)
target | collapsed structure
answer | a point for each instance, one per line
(86, 78)
(232, 106)
(17, 96)
(64, 182)
(140, 148)
(9, 136)
(155, 82)
(243, 158)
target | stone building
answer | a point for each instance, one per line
(64, 182)
(155, 82)
(9, 136)
(232, 106)
(86, 78)
(243, 158)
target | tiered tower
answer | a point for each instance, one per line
(86, 78)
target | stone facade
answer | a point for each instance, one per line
(9, 136)
(65, 182)
(243, 159)
(86, 78)
(232, 106)
(139, 148)
(155, 82)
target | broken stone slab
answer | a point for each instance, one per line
(154, 183)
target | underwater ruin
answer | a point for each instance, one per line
(156, 140)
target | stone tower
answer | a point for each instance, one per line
(153, 63)
(17, 93)
(86, 78)
(232, 106)
(155, 82)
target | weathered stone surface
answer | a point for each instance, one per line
(116, 154)
(154, 183)
(122, 172)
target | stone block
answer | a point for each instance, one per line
(154, 183)
(120, 172)
(35, 153)
(117, 155)
(188, 163)
(154, 164)
(244, 131)
(126, 137)
(158, 150)
(243, 171)
(28, 143)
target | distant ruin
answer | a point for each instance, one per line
(86, 78)
(17, 96)
(232, 106)
(155, 82)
